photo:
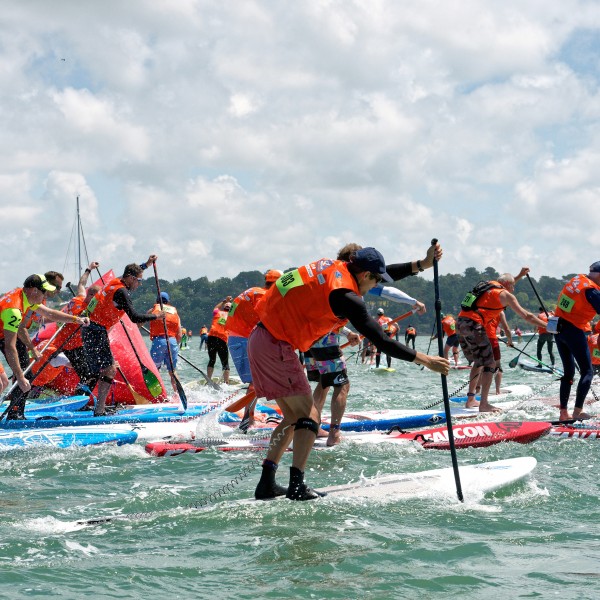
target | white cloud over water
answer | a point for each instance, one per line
(240, 136)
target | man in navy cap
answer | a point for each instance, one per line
(578, 303)
(161, 337)
(304, 305)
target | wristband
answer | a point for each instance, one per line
(74, 319)
(421, 269)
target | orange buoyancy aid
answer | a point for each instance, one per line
(217, 328)
(157, 327)
(593, 343)
(572, 304)
(242, 315)
(411, 331)
(543, 317)
(296, 308)
(488, 305)
(49, 372)
(491, 328)
(102, 309)
(449, 326)
(71, 331)
(384, 322)
(14, 299)
(203, 331)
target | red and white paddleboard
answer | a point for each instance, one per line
(465, 436)
(587, 431)
(477, 435)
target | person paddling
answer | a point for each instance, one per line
(105, 310)
(301, 307)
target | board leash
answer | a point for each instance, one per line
(204, 502)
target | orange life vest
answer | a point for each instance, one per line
(217, 328)
(543, 317)
(102, 309)
(491, 328)
(242, 315)
(14, 299)
(296, 308)
(75, 307)
(411, 331)
(593, 343)
(488, 306)
(383, 321)
(449, 326)
(49, 372)
(203, 331)
(157, 327)
(572, 304)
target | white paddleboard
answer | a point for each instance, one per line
(480, 478)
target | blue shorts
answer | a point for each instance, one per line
(159, 353)
(238, 348)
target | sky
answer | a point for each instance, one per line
(234, 136)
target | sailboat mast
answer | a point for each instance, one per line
(78, 241)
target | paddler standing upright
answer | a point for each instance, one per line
(302, 306)
(105, 309)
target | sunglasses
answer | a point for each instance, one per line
(376, 276)
(139, 279)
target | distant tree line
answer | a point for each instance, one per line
(196, 299)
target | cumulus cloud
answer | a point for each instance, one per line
(235, 136)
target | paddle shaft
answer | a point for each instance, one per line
(430, 339)
(30, 366)
(537, 360)
(143, 367)
(406, 314)
(438, 318)
(214, 385)
(178, 385)
(537, 295)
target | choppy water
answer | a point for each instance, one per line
(539, 538)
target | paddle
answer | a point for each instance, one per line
(430, 339)
(406, 314)
(532, 358)
(139, 399)
(214, 385)
(438, 318)
(150, 379)
(242, 402)
(537, 295)
(178, 385)
(513, 363)
(12, 403)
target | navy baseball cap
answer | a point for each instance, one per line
(371, 260)
(595, 268)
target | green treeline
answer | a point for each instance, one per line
(195, 299)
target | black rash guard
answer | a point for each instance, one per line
(348, 305)
(122, 301)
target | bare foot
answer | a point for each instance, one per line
(334, 437)
(487, 407)
(564, 415)
(322, 433)
(579, 414)
(472, 401)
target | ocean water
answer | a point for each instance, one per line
(539, 538)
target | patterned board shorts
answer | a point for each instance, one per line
(475, 343)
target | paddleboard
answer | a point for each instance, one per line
(475, 479)
(459, 367)
(529, 365)
(508, 392)
(465, 436)
(66, 437)
(71, 419)
(584, 431)
(72, 403)
(382, 369)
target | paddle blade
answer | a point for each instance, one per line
(513, 363)
(139, 399)
(242, 402)
(180, 391)
(152, 383)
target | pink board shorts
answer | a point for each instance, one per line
(276, 369)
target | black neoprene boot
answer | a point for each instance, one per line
(298, 490)
(267, 487)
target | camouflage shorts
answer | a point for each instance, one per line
(475, 343)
